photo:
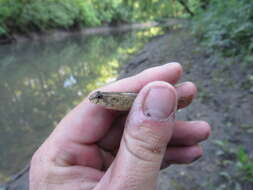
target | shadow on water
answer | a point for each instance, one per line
(41, 81)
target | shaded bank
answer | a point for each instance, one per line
(53, 35)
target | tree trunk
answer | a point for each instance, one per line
(187, 9)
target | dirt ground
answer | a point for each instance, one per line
(225, 100)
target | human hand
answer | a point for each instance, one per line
(96, 148)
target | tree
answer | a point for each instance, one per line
(186, 7)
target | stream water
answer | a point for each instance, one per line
(41, 81)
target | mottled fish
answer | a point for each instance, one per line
(122, 101)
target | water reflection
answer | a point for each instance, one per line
(41, 82)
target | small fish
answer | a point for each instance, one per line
(123, 101)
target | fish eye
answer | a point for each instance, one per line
(99, 95)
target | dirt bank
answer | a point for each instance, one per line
(225, 100)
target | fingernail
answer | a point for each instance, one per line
(181, 84)
(159, 103)
(184, 101)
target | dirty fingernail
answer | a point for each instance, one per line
(159, 103)
(196, 158)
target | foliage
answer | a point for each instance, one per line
(2, 30)
(224, 26)
(24, 16)
(111, 11)
(39, 15)
(227, 27)
(88, 16)
(245, 165)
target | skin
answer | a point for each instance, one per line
(96, 148)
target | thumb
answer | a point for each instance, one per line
(148, 130)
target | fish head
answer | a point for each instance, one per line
(96, 97)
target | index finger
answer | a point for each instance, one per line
(87, 123)
(170, 72)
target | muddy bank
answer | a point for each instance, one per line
(225, 100)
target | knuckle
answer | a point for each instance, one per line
(145, 147)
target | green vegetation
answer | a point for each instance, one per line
(245, 165)
(28, 15)
(238, 161)
(223, 26)
(23, 16)
(227, 27)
